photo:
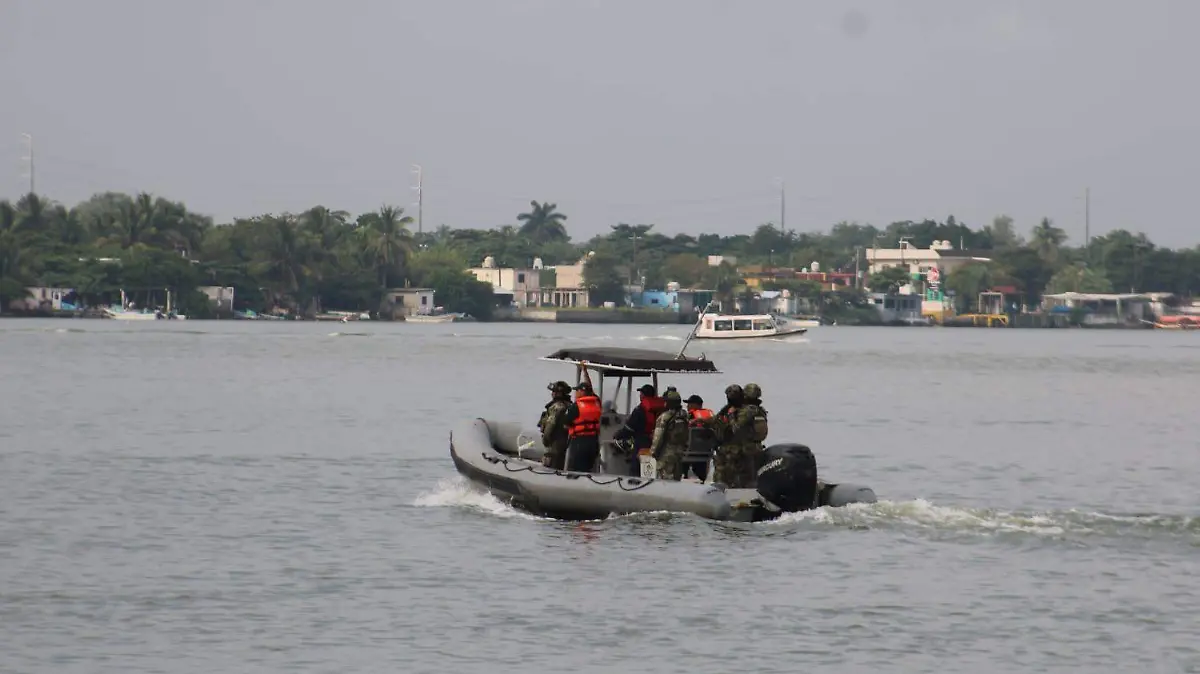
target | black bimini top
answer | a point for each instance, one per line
(634, 361)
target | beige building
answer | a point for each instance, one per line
(411, 301)
(523, 284)
(569, 289)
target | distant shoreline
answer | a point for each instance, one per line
(601, 317)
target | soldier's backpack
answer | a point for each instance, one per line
(760, 424)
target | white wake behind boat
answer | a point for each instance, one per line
(754, 326)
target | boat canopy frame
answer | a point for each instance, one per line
(625, 365)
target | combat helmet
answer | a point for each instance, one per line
(752, 391)
(733, 390)
(673, 399)
(560, 387)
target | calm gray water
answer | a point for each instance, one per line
(258, 497)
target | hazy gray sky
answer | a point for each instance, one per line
(681, 113)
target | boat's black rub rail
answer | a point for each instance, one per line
(620, 480)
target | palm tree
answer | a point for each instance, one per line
(146, 220)
(388, 241)
(16, 245)
(330, 226)
(543, 223)
(15, 235)
(1047, 239)
(328, 229)
(286, 250)
(33, 216)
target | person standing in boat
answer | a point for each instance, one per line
(639, 425)
(670, 440)
(753, 395)
(583, 418)
(701, 423)
(735, 462)
(555, 426)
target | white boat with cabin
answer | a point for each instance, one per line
(760, 326)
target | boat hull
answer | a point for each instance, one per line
(440, 318)
(501, 458)
(131, 315)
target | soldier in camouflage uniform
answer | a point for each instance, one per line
(758, 423)
(753, 395)
(737, 452)
(554, 425)
(671, 435)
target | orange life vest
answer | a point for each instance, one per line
(701, 415)
(587, 424)
(652, 406)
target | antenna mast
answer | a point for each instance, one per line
(420, 196)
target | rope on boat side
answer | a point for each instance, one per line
(620, 480)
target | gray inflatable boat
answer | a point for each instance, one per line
(503, 459)
(500, 457)
(506, 459)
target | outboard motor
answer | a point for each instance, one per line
(788, 477)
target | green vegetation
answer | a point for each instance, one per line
(324, 258)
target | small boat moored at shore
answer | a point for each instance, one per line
(436, 318)
(1175, 322)
(128, 312)
(506, 459)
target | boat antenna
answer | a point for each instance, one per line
(693, 332)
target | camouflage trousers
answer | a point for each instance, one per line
(555, 456)
(670, 464)
(736, 466)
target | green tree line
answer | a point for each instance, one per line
(326, 258)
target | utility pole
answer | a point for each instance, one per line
(633, 271)
(420, 196)
(28, 159)
(782, 209)
(857, 273)
(1087, 217)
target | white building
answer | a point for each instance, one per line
(49, 298)
(523, 284)
(893, 309)
(940, 255)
